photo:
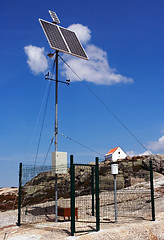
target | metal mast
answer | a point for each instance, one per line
(56, 80)
(66, 41)
(56, 133)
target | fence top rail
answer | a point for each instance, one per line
(84, 164)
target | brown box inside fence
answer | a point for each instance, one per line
(66, 212)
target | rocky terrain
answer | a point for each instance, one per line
(41, 188)
(131, 171)
(140, 230)
(8, 198)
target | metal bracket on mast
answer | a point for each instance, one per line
(47, 76)
(52, 79)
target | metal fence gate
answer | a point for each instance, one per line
(84, 197)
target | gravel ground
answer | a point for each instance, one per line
(141, 230)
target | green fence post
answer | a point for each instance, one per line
(93, 191)
(152, 191)
(19, 195)
(97, 194)
(72, 173)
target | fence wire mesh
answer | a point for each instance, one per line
(85, 198)
(38, 193)
(133, 194)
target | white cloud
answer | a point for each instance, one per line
(82, 32)
(36, 59)
(96, 69)
(146, 153)
(131, 153)
(157, 145)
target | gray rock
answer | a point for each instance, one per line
(131, 171)
(157, 162)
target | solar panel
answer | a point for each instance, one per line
(62, 39)
(54, 17)
(54, 36)
(73, 43)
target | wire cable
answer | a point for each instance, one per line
(107, 108)
(38, 117)
(54, 124)
(40, 135)
(44, 116)
(71, 139)
(48, 150)
(81, 144)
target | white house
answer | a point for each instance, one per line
(115, 153)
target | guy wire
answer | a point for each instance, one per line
(80, 144)
(44, 117)
(107, 108)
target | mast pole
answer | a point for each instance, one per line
(56, 132)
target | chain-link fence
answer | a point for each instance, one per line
(133, 194)
(38, 194)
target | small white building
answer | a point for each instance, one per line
(115, 153)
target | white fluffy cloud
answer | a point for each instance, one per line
(131, 153)
(146, 153)
(97, 69)
(157, 145)
(83, 32)
(37, 60)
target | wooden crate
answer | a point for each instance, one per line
(66, 212)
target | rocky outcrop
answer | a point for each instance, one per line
(41, 188)
(131, 171)
(157, 160)
(8, 199)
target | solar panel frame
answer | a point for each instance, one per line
(75, 48)
(54, 17)
(64, 35)
(61, 48)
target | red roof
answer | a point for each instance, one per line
(112, 151)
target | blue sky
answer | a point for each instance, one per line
(124, 41)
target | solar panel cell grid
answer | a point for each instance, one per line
(54, 17)
(62, 39)
(73, 42)
(54, 37)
